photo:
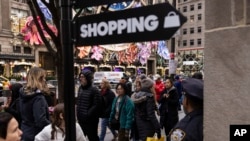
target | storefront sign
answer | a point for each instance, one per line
(155, 22)
(89, 3)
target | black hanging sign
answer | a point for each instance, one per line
(155, 22)
(89, 3)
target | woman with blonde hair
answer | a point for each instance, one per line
(33, 106)
(107, 98)
(56, 130)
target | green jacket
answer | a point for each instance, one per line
(127, 112)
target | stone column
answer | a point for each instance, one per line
(227, 67)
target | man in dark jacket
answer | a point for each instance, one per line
(88, 106)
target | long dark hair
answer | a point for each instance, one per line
(57, 120)
(4, 121)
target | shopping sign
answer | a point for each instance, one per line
(89, 3)
(155, 22)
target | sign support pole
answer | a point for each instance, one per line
(172, 56)
(67, 52)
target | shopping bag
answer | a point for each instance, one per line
(154, 138)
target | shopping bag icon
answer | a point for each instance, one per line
(171, 20)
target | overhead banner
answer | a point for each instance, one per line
(155, 22)
(89, 3)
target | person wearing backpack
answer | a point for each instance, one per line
(107, 98)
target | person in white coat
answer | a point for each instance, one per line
(56, 130)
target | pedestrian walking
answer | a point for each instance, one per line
(56, 130)
(122, 112)
(88, 105)
(169, 101)
(107, 98)
(146, 122)
(190, 128)
(9, 128)
(33, 106)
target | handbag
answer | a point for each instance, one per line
(115, 123)
(155, 138)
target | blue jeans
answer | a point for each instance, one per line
(104, 125)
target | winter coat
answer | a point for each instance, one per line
(145, 118)
(127, 112)
(108, 96)
(34, 113)
(88, 104)
(169, 106)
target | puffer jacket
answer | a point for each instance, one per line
(145, 118)
(88, 104)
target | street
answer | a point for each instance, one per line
(109, 135)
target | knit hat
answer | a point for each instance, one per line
(147, 83)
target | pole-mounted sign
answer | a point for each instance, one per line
(89, 3)
(155, 22)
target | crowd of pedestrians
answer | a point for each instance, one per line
(130, 115)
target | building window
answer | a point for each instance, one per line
(26, 50)
(184, 31)
(185, 9)
(16, 49)
(191, 30)
(192, 18)
(191, 42)
(184, 0)
(199, 29)
(191, 7)
(199, 17)
(184, 43)
(198, 42)
(199, 6)
(179, 1)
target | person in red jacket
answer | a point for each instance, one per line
(159, 86)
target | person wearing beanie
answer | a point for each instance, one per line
(145, 118)
(88, 105)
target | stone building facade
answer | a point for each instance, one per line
(227, 68)
(190, 39)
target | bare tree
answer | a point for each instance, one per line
(53, 45)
